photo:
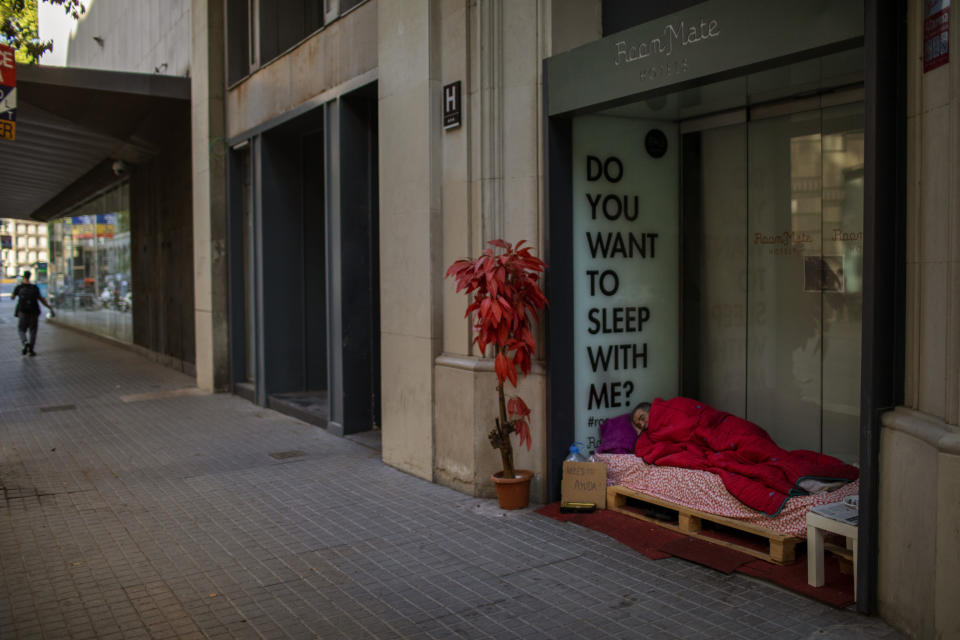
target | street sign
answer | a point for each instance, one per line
(8, 93)
(451, 105)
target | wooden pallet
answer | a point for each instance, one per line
(689, 521)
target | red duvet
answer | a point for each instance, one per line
(692, 435)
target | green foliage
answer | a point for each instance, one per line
(20, 28)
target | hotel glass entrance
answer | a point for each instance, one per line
(772, 241)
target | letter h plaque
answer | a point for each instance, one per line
(451, 105)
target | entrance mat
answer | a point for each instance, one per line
(656, 542)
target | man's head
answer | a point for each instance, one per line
(26, 276)
(640, 416)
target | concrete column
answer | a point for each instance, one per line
(209, 195)
(918, 566)
(411, 270)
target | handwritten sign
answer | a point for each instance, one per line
(584, 482)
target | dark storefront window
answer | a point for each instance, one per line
(88, 276)
(618, 15)
(238, 40)
(346, 5)
(284, 23)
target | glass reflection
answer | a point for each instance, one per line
(89, 277)
(775, 239)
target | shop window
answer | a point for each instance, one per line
(32, 257)
(32, 229)
(258, 32)
(346, 5)
(284, 23)
(89, 268)
(31, 242)
(22, 241)
(43, 241)
(238, 40)
(21, 228)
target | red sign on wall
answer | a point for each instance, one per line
(8, 92)
(936, 34)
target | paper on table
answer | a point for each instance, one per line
(838, 511)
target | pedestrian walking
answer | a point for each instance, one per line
(28, 312)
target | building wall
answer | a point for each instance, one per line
(152, 38)
(340, 57)
(208, 162)
(410, 228)
(491, 186)
(285, 93)
(29, 240)
(918, 556)
(161, 251)
(444, 194)
(144, 37)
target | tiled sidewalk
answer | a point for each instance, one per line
(129, 511)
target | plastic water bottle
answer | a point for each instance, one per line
(575, 455)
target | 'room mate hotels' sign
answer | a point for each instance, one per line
(626, 267)
(8, 93)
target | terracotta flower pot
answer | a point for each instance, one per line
(513, 493)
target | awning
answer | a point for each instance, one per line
(75, 128)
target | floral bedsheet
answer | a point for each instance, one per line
(704, 491)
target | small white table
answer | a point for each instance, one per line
(816, 526)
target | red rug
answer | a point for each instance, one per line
(656, 543)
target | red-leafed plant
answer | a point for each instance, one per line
(506, 298)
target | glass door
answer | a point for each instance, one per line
(249, 267)
(773, 228)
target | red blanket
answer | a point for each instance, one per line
(685, 433)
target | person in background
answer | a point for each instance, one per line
(28, 312)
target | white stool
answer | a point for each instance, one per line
(816, 525)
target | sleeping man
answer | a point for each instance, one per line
(619, 434)
(640, 416)
(682, 432)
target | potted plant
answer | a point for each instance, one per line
(505, 296)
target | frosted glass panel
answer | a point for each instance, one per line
(626, 256)
(783, 333)
(774, 290)
(722, 273)
(842, 303)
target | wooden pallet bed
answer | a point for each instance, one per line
(781, 549)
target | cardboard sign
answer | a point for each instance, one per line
(584, 482)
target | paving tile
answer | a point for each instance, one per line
(167, 518)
